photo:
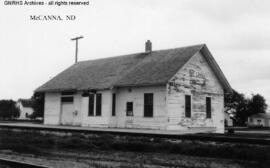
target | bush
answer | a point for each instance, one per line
(8, 109)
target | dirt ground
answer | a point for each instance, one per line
(106, 159)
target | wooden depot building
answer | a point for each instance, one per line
(172, 89)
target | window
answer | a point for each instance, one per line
(98, 104)
(129, 108)
(113, 104)
(148, 105)
(208, 107)
(68, 99)
(95, 98)
(188, 106)
(91, 105)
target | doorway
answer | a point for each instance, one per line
(67, 113)
(129, 114)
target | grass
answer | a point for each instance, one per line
(39, 144)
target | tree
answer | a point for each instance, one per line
(236, 104)
(8, 109)
(38, 105)
(242, 107)
(256, 104)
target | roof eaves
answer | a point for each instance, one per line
(74, 90)
(53, 90)
(140, 85)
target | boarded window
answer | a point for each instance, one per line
(148, 105)
(98, 104)
(67, 99)
(188, 106)
(113, 104)
(129, 108)
(208, 107)
(91, 105)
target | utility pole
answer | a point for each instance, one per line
(76, 52)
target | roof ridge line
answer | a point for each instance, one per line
(126, 55)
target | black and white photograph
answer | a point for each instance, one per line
(134, 84)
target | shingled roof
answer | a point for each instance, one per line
(140, 69)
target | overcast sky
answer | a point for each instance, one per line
(236, 32)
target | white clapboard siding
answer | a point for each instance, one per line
(197, 79)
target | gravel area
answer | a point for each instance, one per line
(122, 159)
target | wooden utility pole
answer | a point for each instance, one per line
(76, 52)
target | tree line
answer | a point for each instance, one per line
(241, 107)
(9, 109)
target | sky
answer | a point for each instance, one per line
(236, 32)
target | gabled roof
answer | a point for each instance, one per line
(140, 69)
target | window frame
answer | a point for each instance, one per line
(188, 111)
(129, 112)
(113, 104)
(148, 114)
(208, 107)
(67, 97)
(92, 105)
(98, 104)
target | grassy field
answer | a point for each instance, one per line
(126, 151)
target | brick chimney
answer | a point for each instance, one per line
(148, 46)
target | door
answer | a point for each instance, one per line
(129, 114)
(67, 114)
